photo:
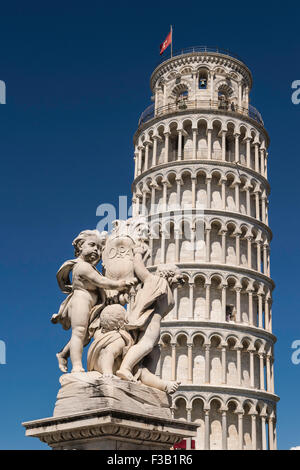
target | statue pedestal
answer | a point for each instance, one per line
(98, 413)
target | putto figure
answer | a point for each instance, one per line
(152, 303)
(85, 292)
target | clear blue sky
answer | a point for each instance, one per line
(77, 76)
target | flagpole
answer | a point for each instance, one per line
(171, 41)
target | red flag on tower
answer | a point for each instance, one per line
(166, 43)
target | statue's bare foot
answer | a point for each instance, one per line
(108, 376)
(62, 362)
(125, 374)
(77, 369)
(172, 387)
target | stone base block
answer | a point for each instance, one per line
(110, 430)
(101, 413)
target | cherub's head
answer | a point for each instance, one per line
(112, 317)
(89, 244)
(171, 273)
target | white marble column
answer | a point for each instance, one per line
(238, 304)
(248, 201)
(209, 132)
(223, 190)
(175, 316)
(166, 156)
(268, 262)
(240, 429)
(224, 132)
(177, 245)
(275, 435)
(207, 301)
(261, 371)
(267, 322)
(260, 310)
(251, 352)
(154, 155)
(208, 183)
(239, 365)
(189, 418)
(253, 430)
(224, 430)
(140, 149)
(191, 297)
(237, 196)
(165, 192)
(207, 244)
(154, 187)
(240, 95)
(265, 259)
(271, 433)
(207, 363)
(173, 361)
(249, 251)
(269, 388)
(256, 192)
(263, 432)
(179, 144)
(190, 363)
(194, 144)
(193, 178)
(248, 152)
(263, 208)
(163, 246)
(237, 248)
(262, 162)
(223, 364)
(258, 248)
(272, 382)
(250, 306)
(206, 430)
(256, 157)
(178, 191)
(237, 147)
(223, 234)
(224, 287)
(144, 202)
(146, 156)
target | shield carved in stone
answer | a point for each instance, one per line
(117, 257)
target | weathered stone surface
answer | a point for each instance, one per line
(84, 391)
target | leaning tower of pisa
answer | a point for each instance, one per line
(201, 180)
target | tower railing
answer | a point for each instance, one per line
(191, 50)
(182, 105)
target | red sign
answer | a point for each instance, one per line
(182, 444)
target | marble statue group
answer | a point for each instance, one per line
(119, 310)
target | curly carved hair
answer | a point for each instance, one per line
(112, 317)
(85, 235)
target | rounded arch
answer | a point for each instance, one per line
(234, 401)
(183, 86)
(215, 398)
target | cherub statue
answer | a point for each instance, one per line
(85, 292)
(152, 303)
(111, 342)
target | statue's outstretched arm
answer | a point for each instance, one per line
(101, 281)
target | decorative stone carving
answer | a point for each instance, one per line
(85, 293)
